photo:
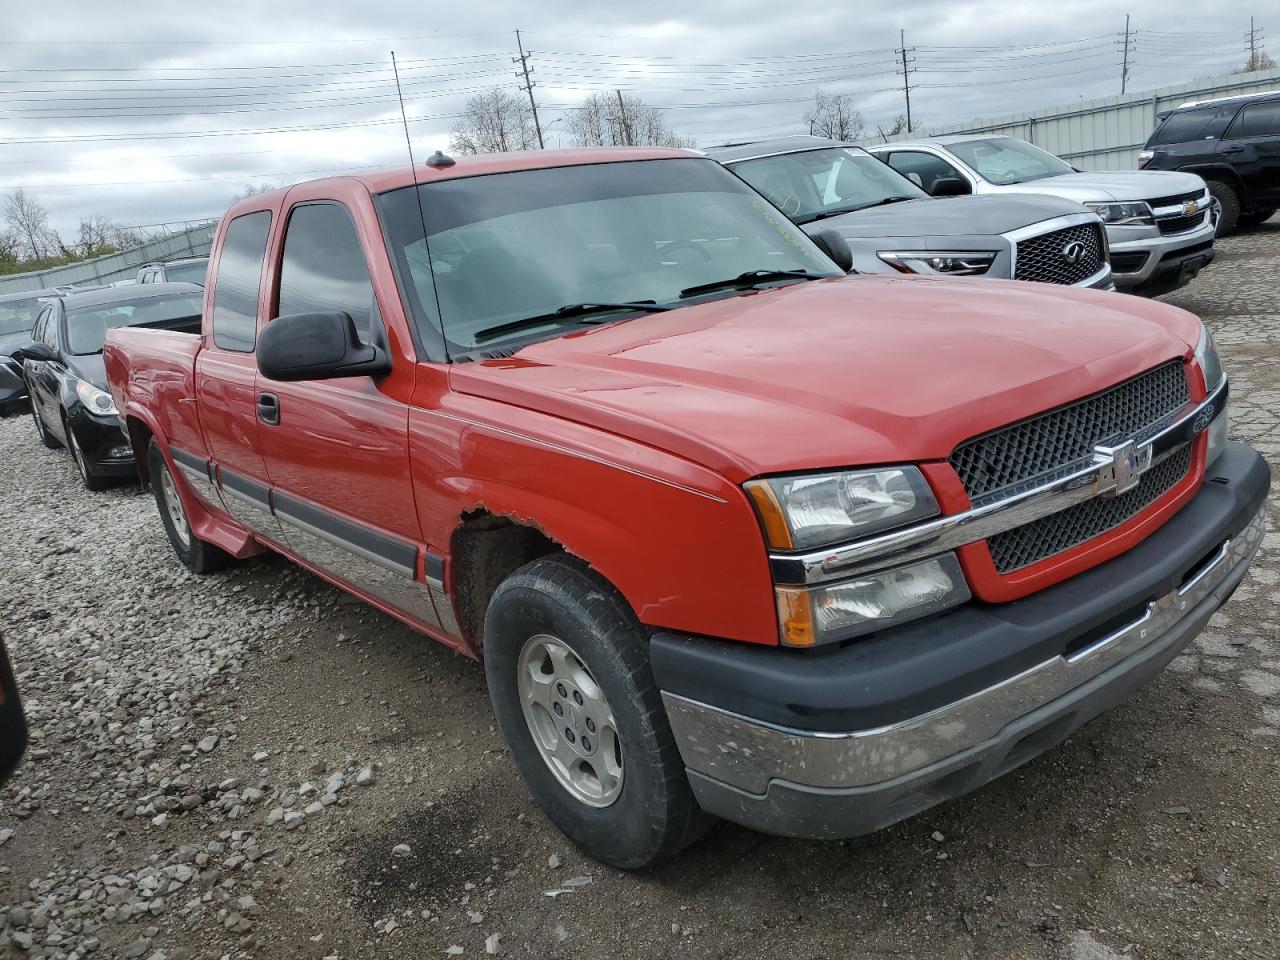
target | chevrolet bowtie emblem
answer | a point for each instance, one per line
(1120, 468)
(1190, 207)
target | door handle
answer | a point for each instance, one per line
(1232, 150)
(269, 409)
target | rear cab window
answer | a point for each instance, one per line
(239, 280)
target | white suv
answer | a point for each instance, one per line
(1159, 224)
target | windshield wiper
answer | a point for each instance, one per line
(851, 208)
(571, 312)
(750, 278)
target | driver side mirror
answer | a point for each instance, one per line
(317, 346)
(35, 351)
(835, 247)
(950, 187)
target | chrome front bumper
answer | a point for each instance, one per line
(734, 760)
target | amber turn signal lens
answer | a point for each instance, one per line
(795, 617)
(770, 511)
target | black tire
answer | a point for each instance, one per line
(90, 480)
(47, 438)
(196, 555)
(654, 815)
(1228, 205)
(1254, 219)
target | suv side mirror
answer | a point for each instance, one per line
(37, 351)
(835, 247)
(317, 346)
(949, 187)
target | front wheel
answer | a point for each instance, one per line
(47, 438)
(568, 670)
(197, 555)
(1228, 206)
(87, 477)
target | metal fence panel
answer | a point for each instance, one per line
(1106, 134)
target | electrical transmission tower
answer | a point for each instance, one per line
(523, 73)
(1130, 41)
(1253, 43)
(905, 70)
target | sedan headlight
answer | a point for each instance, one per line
(817, 509)
(968, 263)
(1123, 214)
(809, 616)
(95, 400)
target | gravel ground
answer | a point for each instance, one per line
(255, 765)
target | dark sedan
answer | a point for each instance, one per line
(18, 312)
(13, 728)
(66, 378)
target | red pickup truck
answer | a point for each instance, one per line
(735, 535)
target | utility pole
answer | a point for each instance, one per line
(523, 60)
(1124, 64)
(623, 124)
(906, 71)
(1252, 39)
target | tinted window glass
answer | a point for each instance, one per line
(19, 315)
(323, 268)
(1205, 123)
(49, 330)
(188, 272)
(1258, 120)
(927, 168)
(87, 326)
(235, 295)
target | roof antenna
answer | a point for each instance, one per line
(417, 193)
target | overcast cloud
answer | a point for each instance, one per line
(92, 121)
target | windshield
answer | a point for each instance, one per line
(1005, 160)
(18, 316)
(511, 246)
(192, 272)
(87, 326)
(812, 183)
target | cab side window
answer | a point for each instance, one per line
(48, 328)
(927, 168)
(323, 269)
(239, 278)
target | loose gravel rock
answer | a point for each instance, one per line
(197, 743)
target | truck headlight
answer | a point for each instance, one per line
(1208, 359)
(95, 400)
(817, 509)
(1123, 214)
(968, 263)
(810, 616)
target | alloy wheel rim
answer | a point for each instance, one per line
(173, 503)
(78, 454)
(570, 720)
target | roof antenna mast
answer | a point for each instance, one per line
(417, 193)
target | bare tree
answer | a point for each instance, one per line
(619, 119)
(10, 251)
(1259, 60)
(253, 189)
(96, 236)
(899, 126)
(834, 115)
(30, 222)
(494, 121)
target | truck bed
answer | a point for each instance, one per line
(150, 371)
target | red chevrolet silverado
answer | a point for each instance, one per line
(734, 534)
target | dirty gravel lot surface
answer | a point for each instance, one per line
(253, 765)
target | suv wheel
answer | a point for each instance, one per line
(1255, 218)
(568, 670)
(1228, 206)
(197, 555)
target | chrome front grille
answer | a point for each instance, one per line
(1063, 256)
(1040, 539)
(1037, 448)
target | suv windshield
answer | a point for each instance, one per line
(87, 326)
(814, 183)
(1005, 160)
(513, 246)
(18, 316)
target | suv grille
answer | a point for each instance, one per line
(1181, 224)
(1042, 258)
(1064, 437)
(1180, 199)
(1025, 545)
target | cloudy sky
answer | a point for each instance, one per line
(149, 113)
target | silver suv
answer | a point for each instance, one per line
(891, 224)
(1159, 223)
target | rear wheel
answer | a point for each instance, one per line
(1255, 218)
(197, 555)
(1228, 206)
(568, 670)
(47, 438)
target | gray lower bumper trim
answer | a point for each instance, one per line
(803, 810)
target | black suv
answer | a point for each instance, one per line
(1234, 143)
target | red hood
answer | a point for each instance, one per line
(831, 373)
